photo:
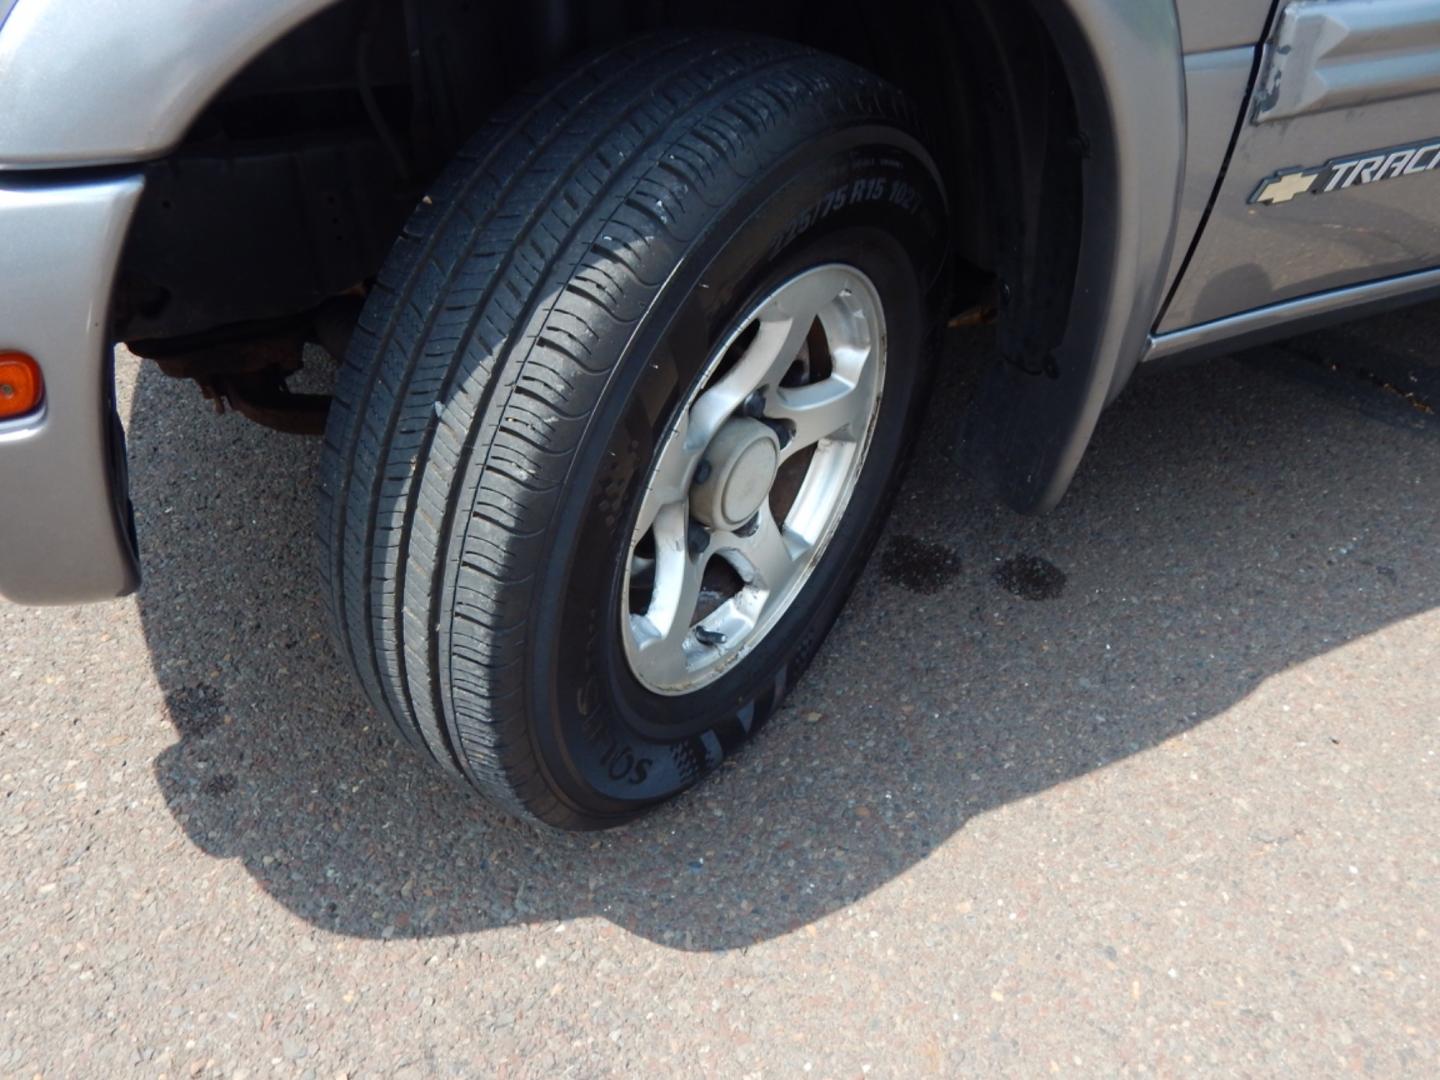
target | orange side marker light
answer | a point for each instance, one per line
(22, 387)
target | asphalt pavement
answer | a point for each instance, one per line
(1145, 786)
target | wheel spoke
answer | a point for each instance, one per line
(784, 324)
(670, 480)
(832, 408)
(768, 558)
(660, 633)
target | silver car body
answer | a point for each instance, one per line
(1340, 78)
(1191, 105)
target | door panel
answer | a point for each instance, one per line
(1334, 181)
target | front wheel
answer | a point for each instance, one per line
(623, 415)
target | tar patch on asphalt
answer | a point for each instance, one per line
(919, 565)
(195, 710)
(1030, 578)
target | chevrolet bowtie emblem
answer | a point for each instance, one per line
(1286, 188)
(1357, 170)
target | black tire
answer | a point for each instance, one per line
(539, 322)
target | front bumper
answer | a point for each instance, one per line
(65, 532)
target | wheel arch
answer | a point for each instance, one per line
(1092, 208)
(1074, 338)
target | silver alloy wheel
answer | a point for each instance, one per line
(758, 470)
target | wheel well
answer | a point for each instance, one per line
(292, 183)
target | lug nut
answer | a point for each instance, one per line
(697, 539)
(703, 471)
(754, 406)
(784, 431)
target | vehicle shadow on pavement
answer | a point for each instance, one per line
(1233, 520)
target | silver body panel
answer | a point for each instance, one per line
(1258, 256)
(1211, 25)
(1216, 84)
(59, 246)
(89, 82)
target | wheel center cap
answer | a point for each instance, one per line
(738, 472)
